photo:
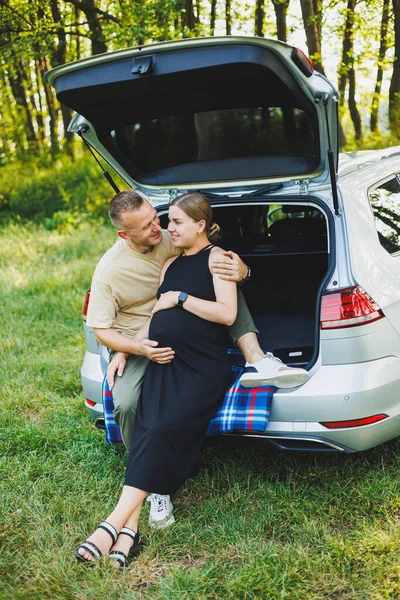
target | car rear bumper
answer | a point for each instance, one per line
(341, 393)
(333, 393)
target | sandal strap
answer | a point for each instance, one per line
(129, 532)
(119, 556)
(110, 530)
(92, 549)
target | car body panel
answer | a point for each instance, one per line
(373, 267)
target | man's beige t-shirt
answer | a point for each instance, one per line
(125, 284)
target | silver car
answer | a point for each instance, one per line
(251, 124)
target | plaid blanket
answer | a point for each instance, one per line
(243, 409)
(113, 432)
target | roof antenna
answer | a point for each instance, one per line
(106, 174)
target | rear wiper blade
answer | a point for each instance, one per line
(272, 187)
(209, 194)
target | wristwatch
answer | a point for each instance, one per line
(248, 274)
(181, 298)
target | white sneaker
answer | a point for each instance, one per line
(272, 371)
(160, 511)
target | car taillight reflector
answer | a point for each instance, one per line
(348, 307)
(90, 402)
(86, 305)
(354, 422)
(302, 61)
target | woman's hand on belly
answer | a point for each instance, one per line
(167, 300)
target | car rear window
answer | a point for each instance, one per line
(215, 135)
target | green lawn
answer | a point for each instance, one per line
(255, 523)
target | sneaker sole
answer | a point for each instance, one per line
(161, 524)
(249, 380)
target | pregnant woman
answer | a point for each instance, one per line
(179, 398)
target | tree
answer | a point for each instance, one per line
(347, 71)
(394, 90)
(213, 14)
(228, 17)
(381, 57)
(311, 11)
(259, 18)
(281, 8)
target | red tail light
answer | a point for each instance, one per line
(86, 305)
(90, 402)
(354, 422)
(302, 61)
(349, 307)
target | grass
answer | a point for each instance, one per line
(254, 523)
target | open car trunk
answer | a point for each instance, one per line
(286, 246)
(214, 111)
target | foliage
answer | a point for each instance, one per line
(253, 524)
(37, 35)
(63, 195)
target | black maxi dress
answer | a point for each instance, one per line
(179, 399)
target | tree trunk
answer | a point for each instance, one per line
(346, 52)
(39, 105)
(355, 115)
(281, 9)
(52, 112)
(78, 39)
(259, 18)
(92, 13)
(228, 17)
(213, 16)
(59, 58)
(197, 12)
(394, 89)
(19, 93)
(311, 11)
(381, 58)
(16, 136)
(347, 69)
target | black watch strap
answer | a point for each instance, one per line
(181, 298)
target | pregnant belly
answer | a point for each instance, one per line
(190, 336)
(176, 327)
(167, 326)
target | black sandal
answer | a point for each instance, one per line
(123, 559)
(92, 548)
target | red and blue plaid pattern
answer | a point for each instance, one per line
(243, 409)
(113, 432)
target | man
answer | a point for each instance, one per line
(123, 292)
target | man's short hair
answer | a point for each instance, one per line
(123, 202)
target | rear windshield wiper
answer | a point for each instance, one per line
(272, 187)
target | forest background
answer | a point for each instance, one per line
(356, 43)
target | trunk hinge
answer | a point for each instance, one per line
(303, 187)
(331, 162)
(106, 174)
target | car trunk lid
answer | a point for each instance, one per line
(229, 113)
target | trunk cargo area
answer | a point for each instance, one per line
(286, 247)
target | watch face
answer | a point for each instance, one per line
(181, 298)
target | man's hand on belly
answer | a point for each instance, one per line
(159, 355)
